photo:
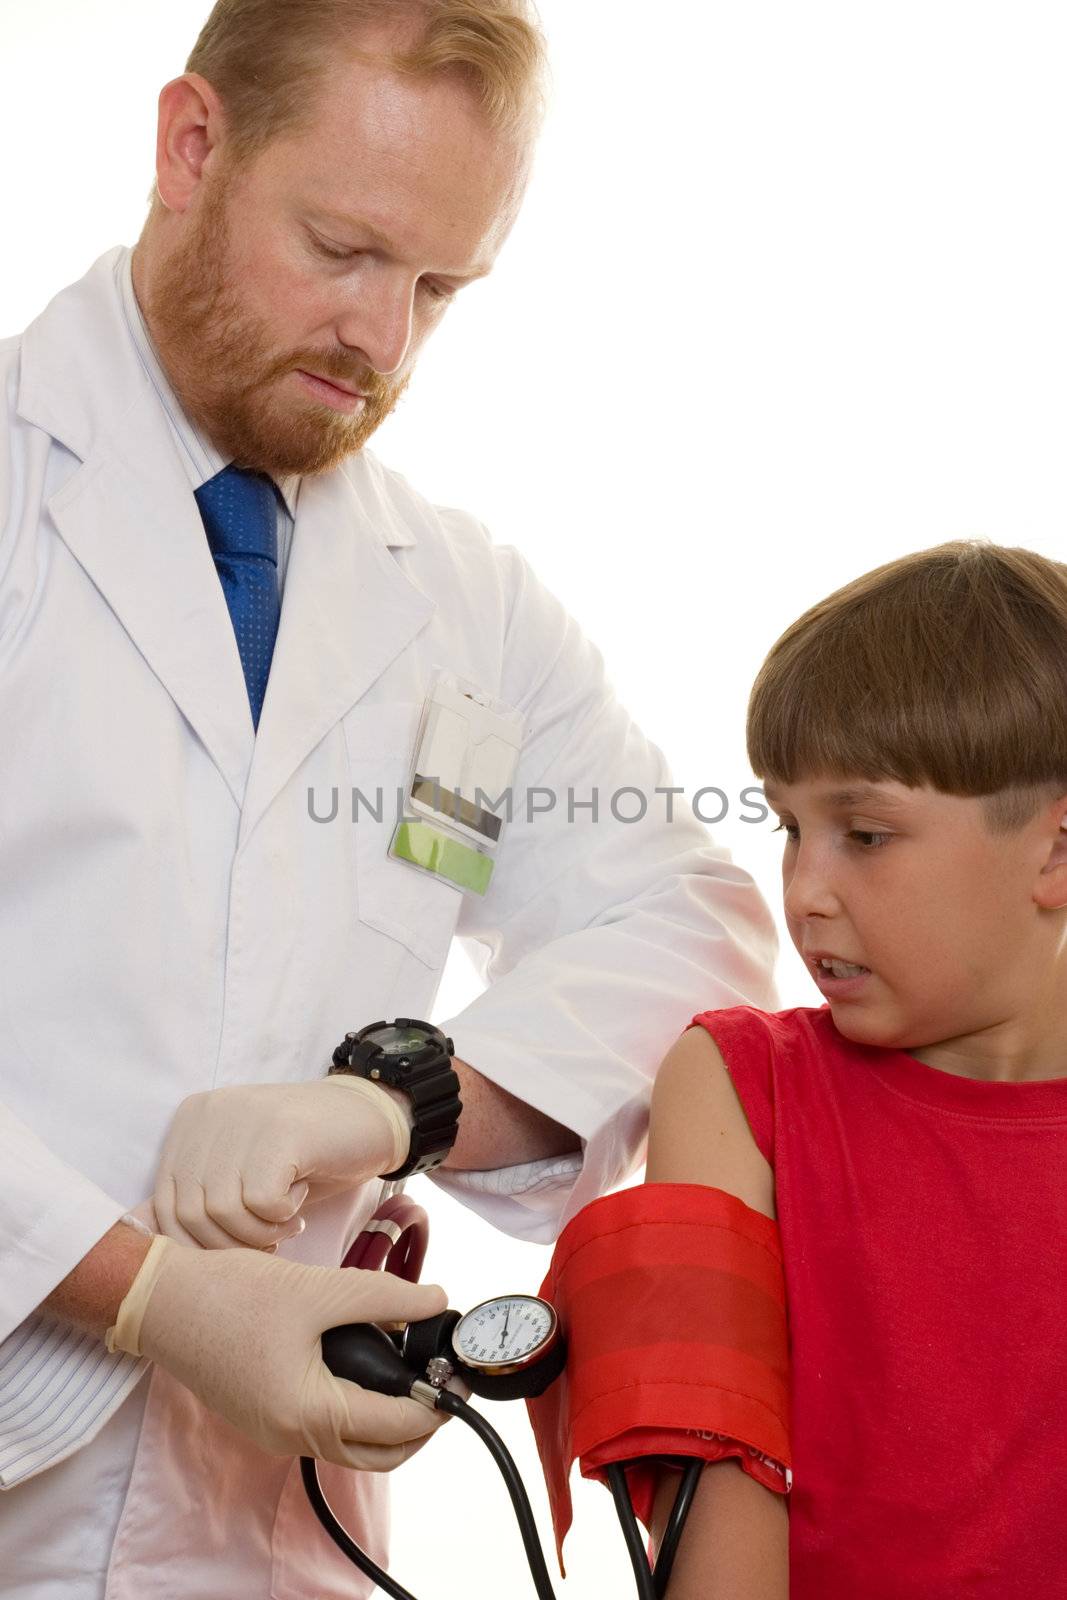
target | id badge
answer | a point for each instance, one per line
(459, 785)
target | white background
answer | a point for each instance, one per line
(786, 300)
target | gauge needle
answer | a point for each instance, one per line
(504, 1330)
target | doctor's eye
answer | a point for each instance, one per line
(333, 252)
(334, 255)
(790, 829)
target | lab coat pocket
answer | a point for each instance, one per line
(397, 899)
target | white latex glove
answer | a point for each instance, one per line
(239, 1163)
(242, 1330)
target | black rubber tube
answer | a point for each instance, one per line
(649, 1586)
(631, 1532)
(324, 1512)
(447, 1401)
(668, 1549)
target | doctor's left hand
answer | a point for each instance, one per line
(239, 1163)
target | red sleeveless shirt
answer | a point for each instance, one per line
(924, 1231)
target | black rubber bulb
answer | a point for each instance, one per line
(365, 1354)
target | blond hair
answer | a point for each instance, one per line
(264, 58)
(947, 667)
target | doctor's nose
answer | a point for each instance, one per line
(379, 325)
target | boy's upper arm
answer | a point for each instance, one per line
(737, 1535)
(698, 1131)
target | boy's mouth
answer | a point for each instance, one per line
(837, 967)
(836, 977)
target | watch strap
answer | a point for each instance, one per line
(431, 1086)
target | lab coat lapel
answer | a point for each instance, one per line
(133, 524)
(348, 610)
(128, 514)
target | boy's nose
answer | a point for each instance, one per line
(808, 890)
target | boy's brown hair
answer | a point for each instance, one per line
(947, 667)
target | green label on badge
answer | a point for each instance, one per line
(418, 842)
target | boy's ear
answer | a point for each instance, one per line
(1051, 888)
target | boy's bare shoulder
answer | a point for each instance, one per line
(698, 1131)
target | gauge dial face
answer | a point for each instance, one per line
(502, 1332)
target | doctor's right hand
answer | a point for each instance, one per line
(239, 1163)
(242, 1330)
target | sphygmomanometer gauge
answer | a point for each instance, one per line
(509, 1348)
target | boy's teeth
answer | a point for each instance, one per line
(842, 969)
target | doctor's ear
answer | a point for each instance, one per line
(190, 127)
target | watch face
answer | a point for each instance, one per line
(395, 1041)
(504, 1332)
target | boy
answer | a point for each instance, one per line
(910, 1135)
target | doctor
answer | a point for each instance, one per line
(214, 605)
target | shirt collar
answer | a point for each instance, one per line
(202, 458)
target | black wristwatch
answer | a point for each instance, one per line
(417, 1058)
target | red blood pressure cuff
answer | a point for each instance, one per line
(672, 1299)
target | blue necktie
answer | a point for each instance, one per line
(240, 513)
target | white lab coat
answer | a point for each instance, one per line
(173, 920)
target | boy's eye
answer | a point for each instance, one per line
(865, 839)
